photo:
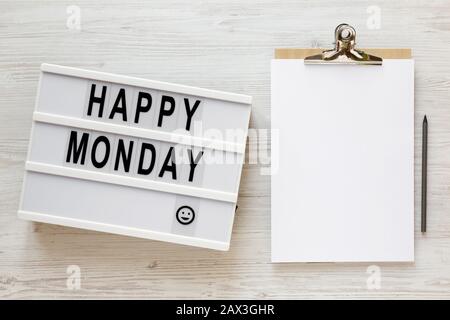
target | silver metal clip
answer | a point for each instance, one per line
(344, 51)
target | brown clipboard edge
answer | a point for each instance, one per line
(302, 53)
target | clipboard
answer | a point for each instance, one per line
(343, 180)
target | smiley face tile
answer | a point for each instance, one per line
(185, 215)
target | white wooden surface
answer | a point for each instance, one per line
(225, 45)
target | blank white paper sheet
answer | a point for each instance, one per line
(342, 162)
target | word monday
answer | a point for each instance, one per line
(84, 147)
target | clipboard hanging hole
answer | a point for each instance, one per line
(345, 34)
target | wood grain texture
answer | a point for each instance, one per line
(225, 45)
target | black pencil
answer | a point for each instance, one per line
(423, 227)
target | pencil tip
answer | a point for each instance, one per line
(425, 118)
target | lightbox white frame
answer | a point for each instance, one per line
(136, 132)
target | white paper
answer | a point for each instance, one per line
(342, 162)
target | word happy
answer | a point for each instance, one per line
(99, 151)
(120, 103)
